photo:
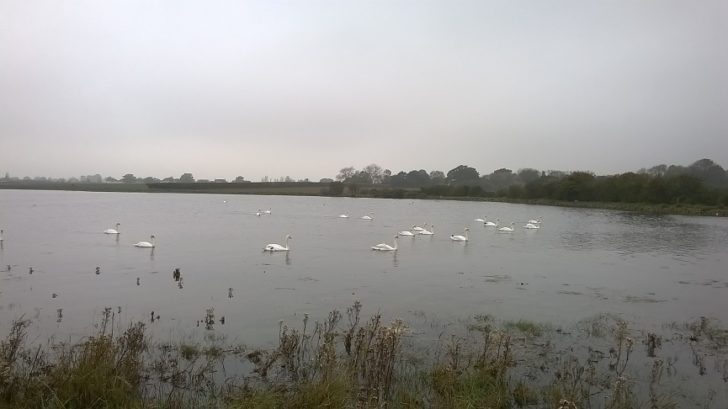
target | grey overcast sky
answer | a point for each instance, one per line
(304, 88)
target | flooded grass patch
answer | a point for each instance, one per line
(565, 292)
(350, 361)
(526, 327)
(497, 278)
(642, 299)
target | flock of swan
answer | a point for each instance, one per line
(424, 230)
(151, 244)
(142, 244)
(429, 230)
(531, 224)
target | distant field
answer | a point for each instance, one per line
(89, 187)
(322, 189)
(310, 189)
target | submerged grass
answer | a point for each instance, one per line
(526, 327)
(104, 370)
(346, 362)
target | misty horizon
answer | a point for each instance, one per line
(294, 178)
(303, 89)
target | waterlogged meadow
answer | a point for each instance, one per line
(348, 361)
(596, 309)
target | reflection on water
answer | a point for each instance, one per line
(628, 233)
(580, 262)
(286, 255)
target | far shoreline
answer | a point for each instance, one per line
(373, 192)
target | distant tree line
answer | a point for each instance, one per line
(703, 182)
(131, 178)
(127, 178)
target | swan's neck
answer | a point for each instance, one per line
(395, 243)
(286, 242)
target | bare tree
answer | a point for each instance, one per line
(346, 173)
(376, 172)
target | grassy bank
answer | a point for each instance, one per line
(346, 361)
(319, 189)
(646, 208)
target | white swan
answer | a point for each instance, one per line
(267, 211)
(426, 232)
(535, 221)
(367, 217)
(531, 226)
(146, 244)
(507, 229)
(385, 246)
(491, 224)
(458, 237)
(343, 216)
(479, 220)
(418, 228)
(405, 233)
(113, 231)
(277, 247)
(258, 213)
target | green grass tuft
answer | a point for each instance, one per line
(529, 328)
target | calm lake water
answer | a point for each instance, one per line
(648, 269)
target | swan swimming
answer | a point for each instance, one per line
(113, 231)
(367, 217)
(406, 233)
(534, 221)
(258, 213)
(277, 247)
(506, 229)
(458, 237)
(343, 216)
(531, 226)
(479, 220)
(426, 232)
(385, 246)
(146, 244)
(418, 228)
(491, 224)
(267, 211)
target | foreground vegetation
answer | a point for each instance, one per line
(344, 362)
